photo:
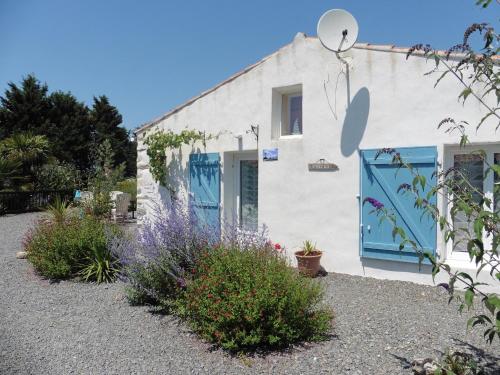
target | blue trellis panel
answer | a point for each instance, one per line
(204, 189)
(380, 179)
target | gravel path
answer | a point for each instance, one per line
(72, 328)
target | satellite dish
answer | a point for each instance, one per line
(337, 30)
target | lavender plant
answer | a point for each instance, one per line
(160, 259)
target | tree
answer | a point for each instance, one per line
(69, 130)
(106, 121)
(73, 130)
(479, 77)
(23, 108)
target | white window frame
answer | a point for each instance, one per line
(462, 258)
(237, 183)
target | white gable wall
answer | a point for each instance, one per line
(401, 108)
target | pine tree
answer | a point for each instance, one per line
(24, 108)
(106, 120)
(69, 130)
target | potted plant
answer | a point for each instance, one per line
(308, 259)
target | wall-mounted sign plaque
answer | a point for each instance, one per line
(323, 165)
(270, 154)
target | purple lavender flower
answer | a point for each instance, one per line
(375, 203)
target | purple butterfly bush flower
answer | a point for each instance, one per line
(404, 187)
(375, 203)
(445, 286)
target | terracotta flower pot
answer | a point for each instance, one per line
(309, 264)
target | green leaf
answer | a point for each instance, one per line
(423, 180)
(465, 93)
(469, 298)
(492, 303)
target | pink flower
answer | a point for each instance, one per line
(277, 247)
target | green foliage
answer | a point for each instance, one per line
(129, 186)
(152, 284)
(247, 299)
(105, 120)
(102, 181)
(308, 247)
(24, 108)
(21, 153)
(8, 169)
(65, 249)
(56, 176)
(479, 77)
(160, 143)
(72, 129)
(68, 130)
(457, 363)
(100, 266)
(59, 210)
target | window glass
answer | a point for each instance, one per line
(249, 195)
(291, 114)
(295, 124)
(471, 168)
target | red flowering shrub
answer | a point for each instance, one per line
(253, 298)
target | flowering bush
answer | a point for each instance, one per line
(157, 261)
(253, 298)
(72, 247)
(162, 257)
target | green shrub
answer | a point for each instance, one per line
(128, 186)
(55, 176)
(73, 247)
(152, 284)
(253, 298)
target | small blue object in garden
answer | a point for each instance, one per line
(270, 154)
(78, 198)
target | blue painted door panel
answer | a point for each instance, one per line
(380, 179)
(204, 189)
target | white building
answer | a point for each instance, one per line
(308, 106)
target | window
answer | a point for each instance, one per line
(286, 113)
(473, 166)
(291, 117)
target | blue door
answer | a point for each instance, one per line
(204, 190)
(381, 179)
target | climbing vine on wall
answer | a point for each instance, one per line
(161, 142)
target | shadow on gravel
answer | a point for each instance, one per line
(264, 352)
(404, 362)
(489, 362)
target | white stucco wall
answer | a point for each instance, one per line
(391, 104)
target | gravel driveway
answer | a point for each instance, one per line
(72, 328)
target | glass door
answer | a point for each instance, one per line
(248, 192)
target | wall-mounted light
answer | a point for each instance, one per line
(254, 129)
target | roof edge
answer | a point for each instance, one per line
(366, 46)
(156, 121)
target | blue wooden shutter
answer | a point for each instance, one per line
(204, 189)
(380, 179)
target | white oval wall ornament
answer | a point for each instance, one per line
(323, 165)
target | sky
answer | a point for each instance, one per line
(150, 56)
